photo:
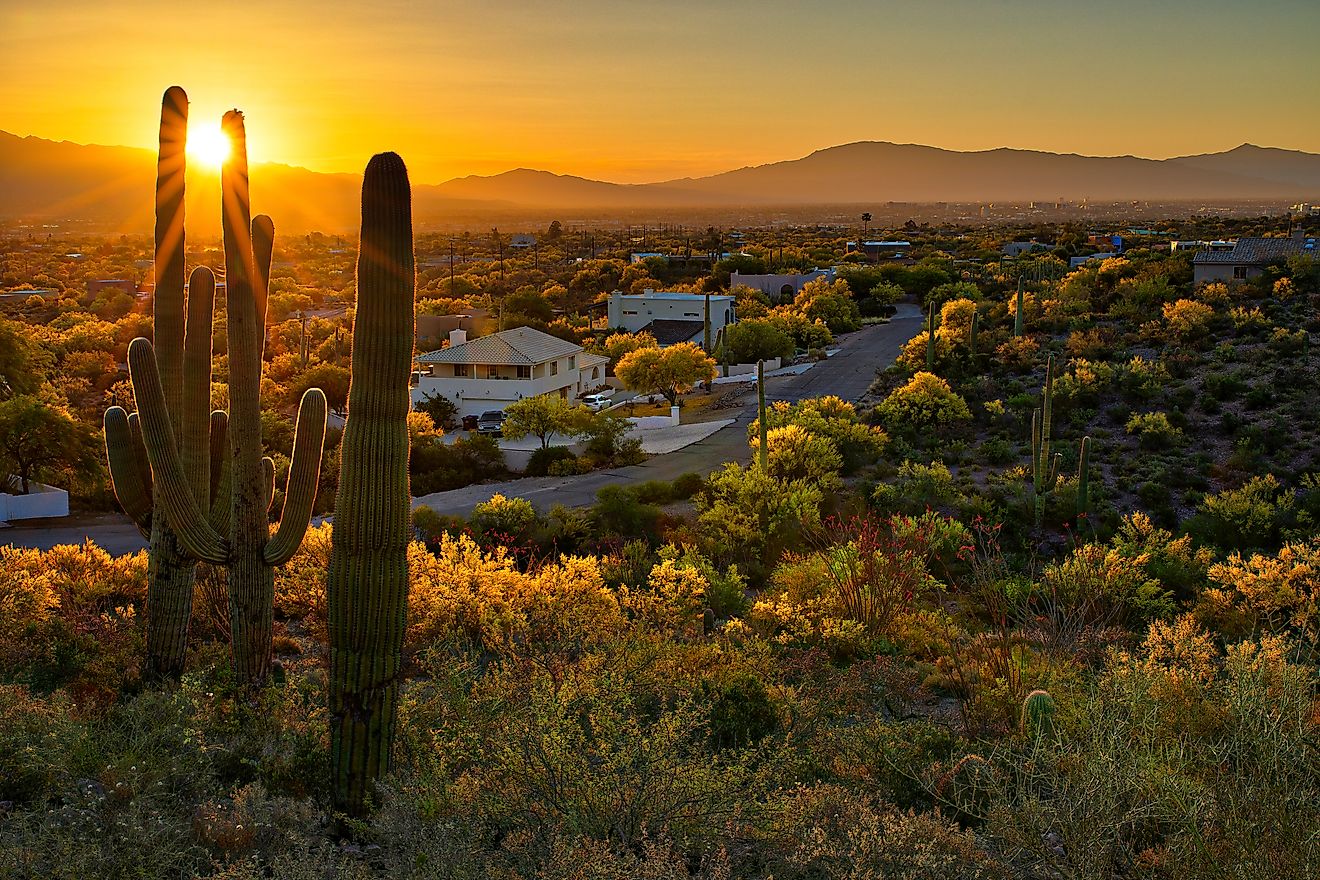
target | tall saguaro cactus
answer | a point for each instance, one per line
(367, 585)
(1017, 319)
(930, 337)
(1044, 466)
(1084, 477)
(185, 367)
(762, 454)
(220, 510)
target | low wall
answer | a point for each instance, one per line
(42, 501)
(743, 369)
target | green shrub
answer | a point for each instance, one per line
(1154, 430)
(542, 460)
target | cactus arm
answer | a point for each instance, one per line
(304, 476)
(268, 481)
(221, 484)
(168, 298)
(263, 247)
(194, 420)
(181, 508)
(130, 487)
(140, 452)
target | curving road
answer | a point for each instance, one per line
(848, 374)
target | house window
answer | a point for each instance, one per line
(492, 371)
(554, 368)
(691, 315)
(462, 371)
(524, 372)
(572, 362)
(626, 312)
(1239, 271)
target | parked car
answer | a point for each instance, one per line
(469, 423)
(598, 400)
(491, 422)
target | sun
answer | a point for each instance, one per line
(208, 146)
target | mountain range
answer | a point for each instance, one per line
(46, 181)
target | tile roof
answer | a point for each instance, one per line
(521, 346)
(1256, 251)
(668, 331)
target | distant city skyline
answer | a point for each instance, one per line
(631, 92)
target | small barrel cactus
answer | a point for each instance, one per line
(1038, 715)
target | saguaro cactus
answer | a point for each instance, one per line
(930, 337)
(185, 376)
(1084, 477)
(971, 334)
(367, 585)
(232, 530)
(1017, 320)
(763, 453)
(1044, 466)
(706, 327)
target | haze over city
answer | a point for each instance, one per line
(642, 92)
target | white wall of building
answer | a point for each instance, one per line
(41, 501)
(474, 396)
(634, 311)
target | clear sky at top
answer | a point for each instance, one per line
(634, 91)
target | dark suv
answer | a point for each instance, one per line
(491, 422)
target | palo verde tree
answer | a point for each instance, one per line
(542, 417)
(367, 584)
(37, 440)
(666, 371)
(216, 496)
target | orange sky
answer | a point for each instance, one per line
(631, 91)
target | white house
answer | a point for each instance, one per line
(671, 317)
(491, 372)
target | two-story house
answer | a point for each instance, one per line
(671, 317)
(493, 371)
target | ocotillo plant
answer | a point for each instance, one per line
(1017, 320)
(185, 375)
(762, 454)
(971, 334)
(1038, 715)
(367, 584)
(237, 533)
(1044, 466)
(1084, 477)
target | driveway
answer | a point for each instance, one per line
(847, 374)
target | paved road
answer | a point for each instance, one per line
(848, 374)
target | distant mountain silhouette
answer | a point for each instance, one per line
(113, 186)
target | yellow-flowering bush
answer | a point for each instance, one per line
(926, 401)
(1187, 319)
(1278, 592)
(1018, 353)
(797, 454)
